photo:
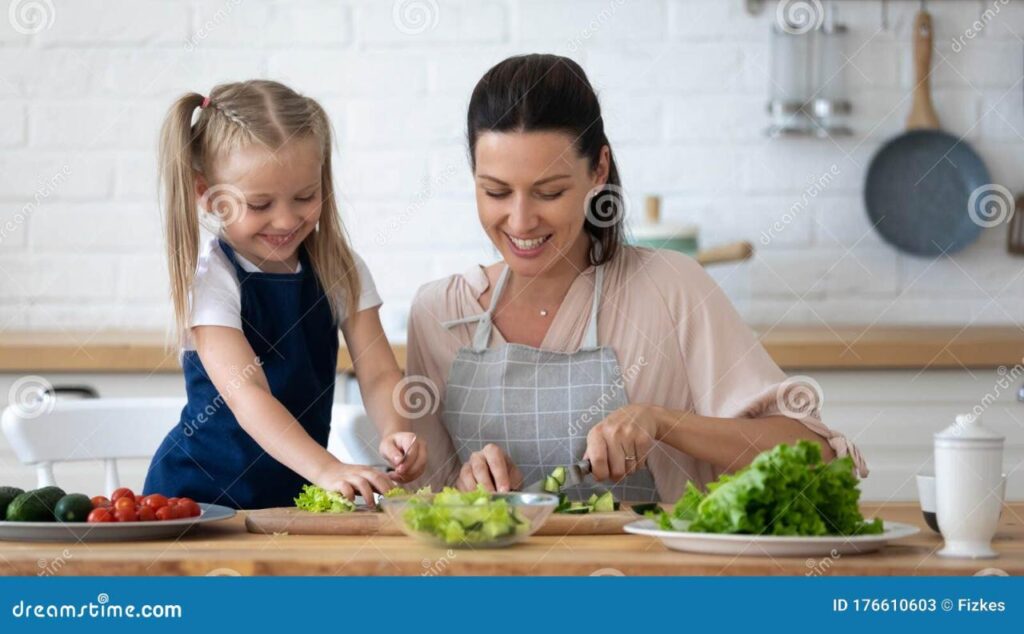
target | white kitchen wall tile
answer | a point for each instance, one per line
(40, 176)
(67, 73)
(117, 22)
(350, 74)
(12, 133)
(96, 125)
(581, 22)
(1002, 116)
(167, 74)
(93, 227)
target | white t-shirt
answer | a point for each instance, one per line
(216, 296)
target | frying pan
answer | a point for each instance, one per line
(919, 184)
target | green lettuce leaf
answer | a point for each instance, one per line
(318, 500)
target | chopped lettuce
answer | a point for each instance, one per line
(319, 500)
(395, 492)
(472, 517)
(787, 490)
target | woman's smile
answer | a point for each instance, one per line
(528, 247)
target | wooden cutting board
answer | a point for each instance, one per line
(295, 522)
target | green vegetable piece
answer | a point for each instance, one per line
(34, 506)
(317, 500)
(7, 495)
(786, 490)
(74, 507)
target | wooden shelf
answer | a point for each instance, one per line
(846, 347)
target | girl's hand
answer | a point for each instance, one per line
(349, 480)
(492, 468)
(618, 446)
(406, 453)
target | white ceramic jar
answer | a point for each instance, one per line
(968, 487)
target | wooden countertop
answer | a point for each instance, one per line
(846, 347)
(225, 548)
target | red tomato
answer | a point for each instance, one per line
(178, 512)
(124, 503)
(155, 501)
(101, 514)
(123, 492)
(100, 501)
(126, 515)
(191, 508)
(165, 513)
(172, 501)
(146, 514)
(184, 500)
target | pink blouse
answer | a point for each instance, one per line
(680, 344)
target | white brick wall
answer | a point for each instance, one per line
(683, 84)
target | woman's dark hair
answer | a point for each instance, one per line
(552, 93)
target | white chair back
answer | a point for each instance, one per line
(109, 429)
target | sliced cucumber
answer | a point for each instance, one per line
(559, 474)
(551, 485)
(604, 503)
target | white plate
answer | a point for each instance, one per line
(110, 531)
(771, 545)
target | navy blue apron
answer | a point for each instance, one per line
(208, 456)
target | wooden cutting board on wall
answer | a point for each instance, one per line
(296, 522)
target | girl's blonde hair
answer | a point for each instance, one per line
(235, 115)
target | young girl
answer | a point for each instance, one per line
(259, 304)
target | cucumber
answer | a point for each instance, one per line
(34, 506)
(74, 507)
(604, 503)
(7, 495)
(551, 485)
(559, 474)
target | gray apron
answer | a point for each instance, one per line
(538, 405)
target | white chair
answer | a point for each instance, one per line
(354, 438)
(106, 429)
(110, 429)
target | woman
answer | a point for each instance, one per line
(575, 345)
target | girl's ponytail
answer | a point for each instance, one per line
(178, 158)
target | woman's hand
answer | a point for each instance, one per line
(618, 446)
(492, 468)
(349, 480)
(406, 453)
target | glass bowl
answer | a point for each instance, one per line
(492, 521)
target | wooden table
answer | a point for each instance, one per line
(226, 548)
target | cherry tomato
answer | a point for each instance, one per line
(126, 515)
(184, 500)
(155, 501)
(123, 492)
(124, 503)
(100, 514)
(100, 501)
(165, 513)
(190, 508)
(146, 514)
(172, 501)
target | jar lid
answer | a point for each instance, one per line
(968, 427)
